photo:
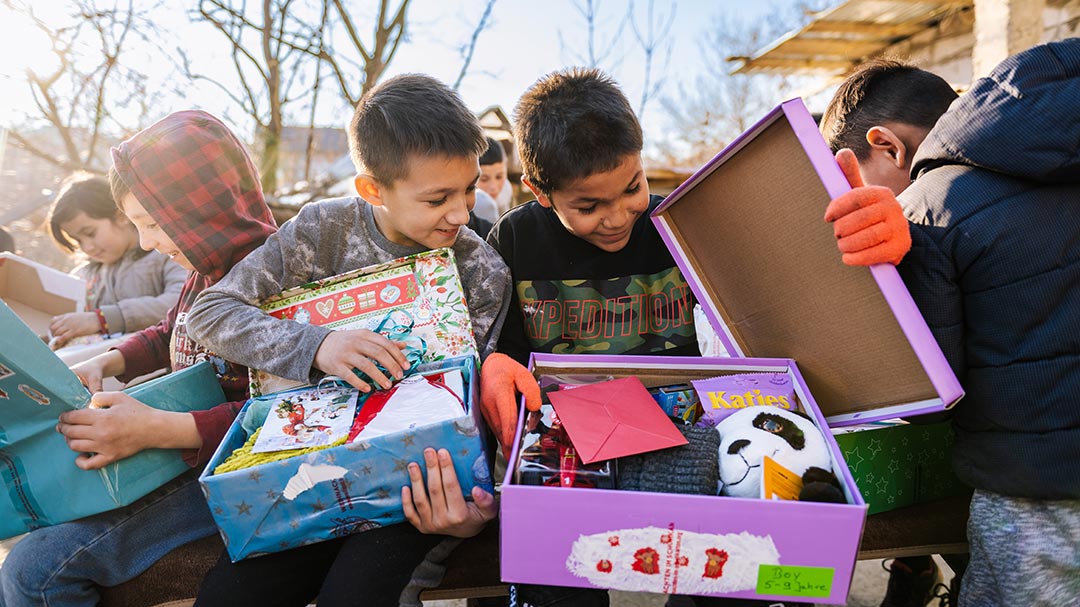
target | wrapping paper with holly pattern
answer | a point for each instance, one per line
(425, 286)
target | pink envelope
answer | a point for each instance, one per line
(614, 418)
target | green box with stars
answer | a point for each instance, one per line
(341, 490)
(897, 464)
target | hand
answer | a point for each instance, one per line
(343, 351)
(869, 224)
(501, 378)
(66, 327)
(441, 508)
(91, 372)
(117, 426)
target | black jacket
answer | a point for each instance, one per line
(995, 269)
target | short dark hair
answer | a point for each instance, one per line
(80, 193)
(881, 91)
(120, 190)
(410, 114)
(494, 153)
(571, 124)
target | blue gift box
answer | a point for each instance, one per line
(339, 490)
(42, 485)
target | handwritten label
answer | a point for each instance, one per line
(792, 580)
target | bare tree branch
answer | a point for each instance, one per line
(653, 40)
(480, 27)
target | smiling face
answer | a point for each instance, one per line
(429, 205)
(103, 240)
(602, 208)
(151, 236)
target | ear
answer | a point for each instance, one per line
(369, 189)
(540, 196)
(884, 140)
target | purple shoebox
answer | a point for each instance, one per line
(748, 233)
(680, 544)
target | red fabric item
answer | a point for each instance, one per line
(501, 379)
(868, 221)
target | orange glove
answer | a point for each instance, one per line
(501, 379)
(869, 224)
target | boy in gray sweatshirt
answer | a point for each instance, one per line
(416, 148)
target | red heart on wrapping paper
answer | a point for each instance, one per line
(604, 566)
(647, 561)
(613, 540)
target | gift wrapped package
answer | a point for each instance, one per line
(320, 491)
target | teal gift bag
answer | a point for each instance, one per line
(41, 484)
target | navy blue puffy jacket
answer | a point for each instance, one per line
(995, 269)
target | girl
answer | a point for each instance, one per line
(191, 190)
(127, 288)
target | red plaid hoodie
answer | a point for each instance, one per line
(194, 178)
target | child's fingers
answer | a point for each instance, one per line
(485, 503)
(849, 164)
(79, 417)
(410, 511)
(103, 400)
(348, 375)
(420, 500)
(82, 445)
(76, 431)
(92, 461)
(367, 366)
(434, 479)
(451, 489)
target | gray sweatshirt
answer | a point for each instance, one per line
(135, 292)
(325, 239)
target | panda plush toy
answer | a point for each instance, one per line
(789, 438)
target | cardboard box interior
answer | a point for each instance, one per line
(36, 293)
(750, 231)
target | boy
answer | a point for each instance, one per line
(586, 261)
(193, 194)
(994, 269)
(882, 113)
(591, 273)
(415, 146)
(493, 177)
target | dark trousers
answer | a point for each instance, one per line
(370, 568)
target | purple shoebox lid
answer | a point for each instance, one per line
(680, 544)
(748, 233)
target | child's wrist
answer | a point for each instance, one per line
(102, 323)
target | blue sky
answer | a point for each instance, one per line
(527, 39)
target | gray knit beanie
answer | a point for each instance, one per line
(692, 468)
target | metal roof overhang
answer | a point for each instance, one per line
(839, 38)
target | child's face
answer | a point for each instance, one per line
(151, 236)
(103, 240)
(492, 178)
(429, 205)
(602, 208)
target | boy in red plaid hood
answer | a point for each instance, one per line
(193, 193)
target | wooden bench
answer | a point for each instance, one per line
(473, 570)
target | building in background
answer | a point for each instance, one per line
(960, 40)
